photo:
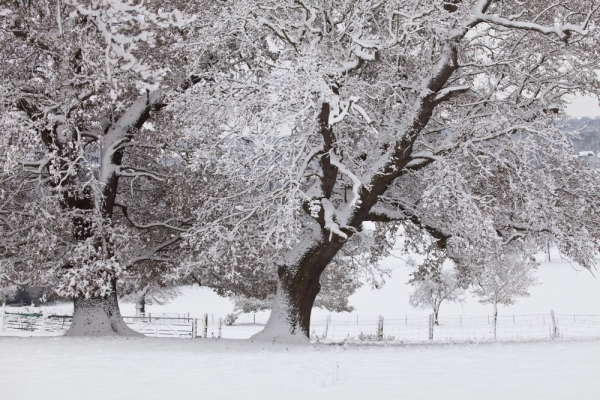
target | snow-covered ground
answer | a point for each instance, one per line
(76, 368)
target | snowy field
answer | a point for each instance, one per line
(86, 368)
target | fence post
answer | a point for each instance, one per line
(380, 328)
(431, 323)
(43, 323)
(554, 326)
(205, 327)
(220, 325)
(327, 322)
(194, 328)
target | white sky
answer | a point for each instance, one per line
(584, 106)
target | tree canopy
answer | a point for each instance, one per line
(287, 130)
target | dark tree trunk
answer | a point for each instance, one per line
(299, 273)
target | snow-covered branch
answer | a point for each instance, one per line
(563, 32)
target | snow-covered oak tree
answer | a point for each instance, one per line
(84, 187)
(502, 278)
(439, 116)
(431, 290)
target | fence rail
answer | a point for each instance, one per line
(338, 329)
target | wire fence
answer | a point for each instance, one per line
(461, 328)
(404, 329)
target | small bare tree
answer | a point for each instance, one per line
(504, 278)
(435, 287)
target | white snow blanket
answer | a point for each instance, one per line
(108, 368)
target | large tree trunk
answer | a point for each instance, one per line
(99, 316)
(299, 272)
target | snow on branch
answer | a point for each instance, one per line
(382, 214)
(403, 212)
(154, 225)
(130, 172)
(344, 107)
(330, 224)
(112, 20)
(312, 16)
(280, 32)
(150, 254)
(39, 165)
(421, 159)
(562, 31)
(118, 134)
(360, 57)
(446, 93)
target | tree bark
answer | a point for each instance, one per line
(299, 272)
(99, 316)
